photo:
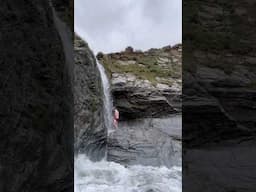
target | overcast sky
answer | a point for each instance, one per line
(112, 25)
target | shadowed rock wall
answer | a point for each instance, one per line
(36, 139)
(219, 70)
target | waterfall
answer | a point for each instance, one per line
(107, 99)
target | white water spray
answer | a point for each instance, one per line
(106, 176)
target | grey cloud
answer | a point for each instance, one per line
(112, 25)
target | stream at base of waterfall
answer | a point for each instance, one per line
(104, 176)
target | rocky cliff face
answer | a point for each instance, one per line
(145, 84)
(90, 131)
(223, 103)
(219, 72)
(36, 89)
(146, 89)
(219, 68)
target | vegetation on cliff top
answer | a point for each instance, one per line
(155, 65)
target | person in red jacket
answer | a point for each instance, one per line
(116, 117)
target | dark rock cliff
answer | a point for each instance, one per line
(36, 138)
(90, 131)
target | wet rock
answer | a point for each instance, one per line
(90, 131)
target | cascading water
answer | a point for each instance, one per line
(108, 103)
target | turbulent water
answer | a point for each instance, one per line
(108, 106)
(106, 176)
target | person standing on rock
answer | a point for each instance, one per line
(116, 117)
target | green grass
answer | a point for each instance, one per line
(145, 68)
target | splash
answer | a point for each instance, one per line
(106, 176)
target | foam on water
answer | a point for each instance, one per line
(106, 176)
